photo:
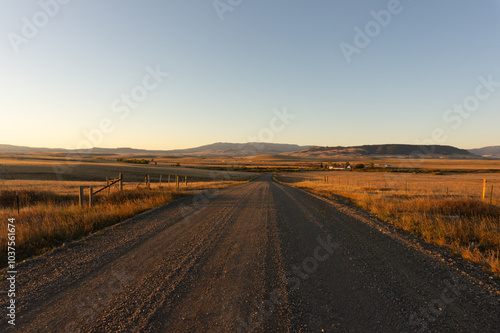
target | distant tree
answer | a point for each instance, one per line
(136, 161)
(347, 164)
(359, 166)
(371, 165)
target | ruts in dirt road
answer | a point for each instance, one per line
(259, 257)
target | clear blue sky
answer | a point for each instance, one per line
(226, 76)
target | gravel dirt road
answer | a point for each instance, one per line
(260, 257)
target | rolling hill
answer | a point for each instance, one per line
(489, 152)
(386, 150)
(219, 149)
(227, 149)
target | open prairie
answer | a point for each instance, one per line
(96, 168)
(269, 160)
(457, 210)
(42, 192)
(397, 184)
(61, 175)
(240, 247)
(259, 257)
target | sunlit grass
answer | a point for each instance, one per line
(48, 219)
(444, 210)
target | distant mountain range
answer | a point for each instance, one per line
(211, 150)
(226, 149)
(491, 151)
(239, 149)
(426, 151)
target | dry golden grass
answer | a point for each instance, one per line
(430, 164)
(50, 214)
(47, 224)
(71, 188)
(446, 210)
(48, 188)
(39, 167)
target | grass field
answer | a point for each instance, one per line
(395, 184)
(446, 210)
(48, 191)
(43, 167)
(442, 202)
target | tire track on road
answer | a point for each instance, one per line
(219, 268)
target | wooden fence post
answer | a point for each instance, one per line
(177, 181)
(120, 176)
(107, 184)
(484, 188)
(160, 180)
(91, 196)
(17, 200)
(80, 196)
(186, 180)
